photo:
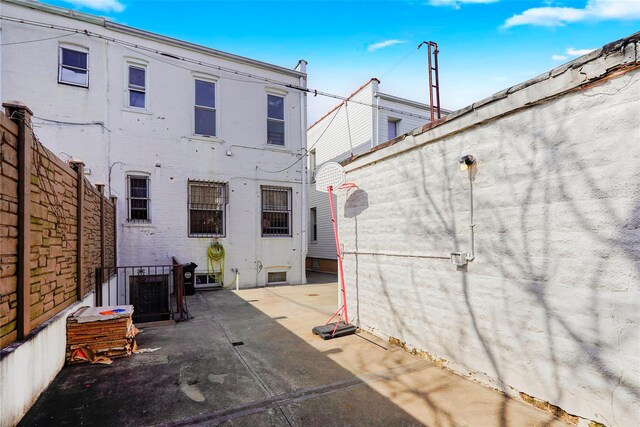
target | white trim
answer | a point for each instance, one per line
(136, 63)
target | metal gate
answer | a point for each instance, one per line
(147, 288)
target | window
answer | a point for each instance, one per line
(73, 67)
(207, 202)
(276, 211)
(313, 222)
(277, 277)
(392, 129)
(137, 86)
(138, 199)
(275, 120)
(205, 108)
(312, 164)
(206, 279)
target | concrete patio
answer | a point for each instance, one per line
(249, 358)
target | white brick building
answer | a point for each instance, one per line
(188, 138)
(367, 119)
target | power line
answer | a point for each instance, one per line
(306, 149)
(231, 71)
(36, 40)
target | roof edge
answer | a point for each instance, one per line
(628, 61)
(110, 25)
(340, 104)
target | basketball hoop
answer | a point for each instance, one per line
(331, 176)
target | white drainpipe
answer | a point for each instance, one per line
(302, 67)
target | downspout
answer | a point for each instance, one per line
(302, 67)
(472, 255)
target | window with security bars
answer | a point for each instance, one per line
(276, 211)
(138, 201)
(207, 202)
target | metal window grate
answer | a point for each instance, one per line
(207, 202)
(138, 201)
(276, 211)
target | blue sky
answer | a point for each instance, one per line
(485, 45)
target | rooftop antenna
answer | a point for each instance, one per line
(331, 176)
(434, 88)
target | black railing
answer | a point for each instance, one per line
(147, 288)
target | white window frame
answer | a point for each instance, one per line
(147, 178)
(74, 48)
(136, 63)
(196, 183)
(289, 210)
(283, 120)
(216, 108)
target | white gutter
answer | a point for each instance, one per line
(302, 67)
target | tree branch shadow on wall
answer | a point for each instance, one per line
(540, 178)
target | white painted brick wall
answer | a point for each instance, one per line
(551, 305)
(159, 141)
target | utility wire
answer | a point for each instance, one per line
(303, 156)
(61, 122)
(231, 71)
(36, 40)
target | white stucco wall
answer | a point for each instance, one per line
(551, 304)
(159, 141)
(28, 367)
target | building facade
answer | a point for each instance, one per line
(198, 145)
(365, 120)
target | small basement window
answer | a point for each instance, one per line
(277, 277)
(206, 279)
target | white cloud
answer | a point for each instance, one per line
(456, 3)
(558, 57)
(594, 10)
(375, 46)
(578, 52)
(101, 5)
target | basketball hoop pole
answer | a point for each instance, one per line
(331, 176)
(343, 307)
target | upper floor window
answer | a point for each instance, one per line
(138, 201)
(137, 87)
(392, 128)
(312, 164)
(73, 67)
(275, 120)
(207, 202)
(205, 108)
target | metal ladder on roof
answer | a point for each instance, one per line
(434, 82)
